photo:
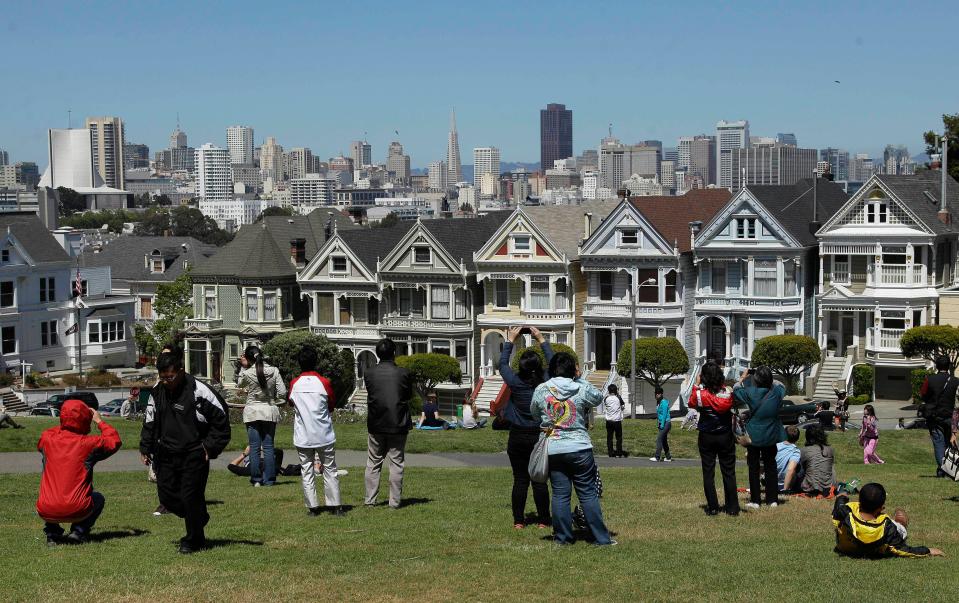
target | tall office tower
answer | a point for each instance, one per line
(4, 158)
(485, 161)
(670, 154)
(214, 175)
(667, 173)
(362, 153)
(136, 156)
(644, 159)
(613, 163)
(342, 164)
(823, 168)
(555, 134)
(838, 162)
(28, 174)
(896, 160)
(239, 139)
(437, 176)
(178, 138)
(398, 163)
(682, 151)
(106, 140)
(702, 161)
(860, 168)
(775, 164)
(271, 160)
(729, 135)
(453, 164)
(589, 160)
(299, 163)
(787, 138)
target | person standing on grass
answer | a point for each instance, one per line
(66, 485)
(523, 428)
(184, 426)
(938, 393)
(265, 391)
(869, 435)
(561, 406)
(613, 406)
(312, 397)
(389, 389)
(664, 425)
(763, 397)
(714, 401)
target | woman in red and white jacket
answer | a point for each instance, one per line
(715, 402)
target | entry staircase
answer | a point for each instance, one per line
(488, 391)
(358, 400)
(831, 370)
(12, 401)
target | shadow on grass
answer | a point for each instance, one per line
(410, 502)
(215, 543)
(214, 502)
(116, 534)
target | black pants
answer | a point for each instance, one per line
(181, 486)
(614, 427)
(519, 448)
(713, 446)
(770, 473)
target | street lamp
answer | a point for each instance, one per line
(632, 337)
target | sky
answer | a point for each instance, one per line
(321, 74)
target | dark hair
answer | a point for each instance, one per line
(530, 368)
(612, 390)
(254, 356)
(824, 404)
(872, 497)
(717, 357)
(306, 359)
(792, 434)
(562, 365)
(712, 377)
(658, 390)
(816, 436)
(943, 363)
(868, 408)
(763, 377)
(386, 349)
(173, 349)
(168, 360)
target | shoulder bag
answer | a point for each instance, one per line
(739, 424)
(539, 458)
(950, 462)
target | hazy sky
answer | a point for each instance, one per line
(321, 74)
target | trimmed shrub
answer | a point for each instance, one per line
(863, 377)
(7, 379)
(658, 359)
(788, 356)
(339, 368)
(916, 379)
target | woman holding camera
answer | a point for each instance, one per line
(715, 402)
(764, 398)
(265, 391)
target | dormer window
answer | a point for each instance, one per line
(522, 244)
(629, 237)
(745, 228)
(877, 212)
(422, 255)
(4, 256)
(338, 264)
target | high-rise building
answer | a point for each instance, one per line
(838, 162)
(398, 163)
(299, 163)
(485, 161)
(271, 160)
(249, 176)
(730, 135)
(311, 192)
(682, 151)
(787, 138)
(453, 163)
(671, 154)
(362, 153)
(214, 175)
(775, 164)
(4, 158)
(239, 140)
(644, 159)
(437, 176)
(667, 173)
(106, 140)
(896, 160)
(8, 177)
(555, 134)
(618, 161)
(71, 160)
(178, 138)
(28, 175)
(823, 168)
(136, 156)
(589, 160)
(702, 161)
(861, 168)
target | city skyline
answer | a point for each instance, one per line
(799, 95)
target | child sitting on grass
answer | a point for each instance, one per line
(864, 530)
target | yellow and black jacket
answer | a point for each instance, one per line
(858, 537)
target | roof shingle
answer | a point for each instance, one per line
(671, 215)
(33, 236)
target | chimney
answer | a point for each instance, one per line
(694, 228)
(815, 225)
(587, 225)
(298, 252)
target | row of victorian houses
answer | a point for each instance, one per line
(717, 272)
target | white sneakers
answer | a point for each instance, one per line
(754, 507)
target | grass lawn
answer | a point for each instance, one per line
(457, 543)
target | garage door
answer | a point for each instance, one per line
(892, 383)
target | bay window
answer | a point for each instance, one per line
(789, 279)
(501, 294)
(560, 294)
(718, 275)
(209, 302)
(269, 305)
(252, 305)
(764, 278)
(539, 294)
(440, 302)
(459, 303)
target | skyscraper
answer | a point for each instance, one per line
(398, 163)
(555, 134)
(4, 158)
(453, 164)
(239, 140)
(136, 156)
(702, 160)
(861, 168)
(271, 160)
(214, 177)
(485, 161)
(437, 176)
(838, 162)
(178, 138)
(618, 161)
(682, 151)
(729, 135)
(776, 164)
(106, 141)
(787, 138)
(362, 153)
(299, 163)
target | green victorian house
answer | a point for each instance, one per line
(247, 292)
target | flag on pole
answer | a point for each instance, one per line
(73, 329)
(78, 284)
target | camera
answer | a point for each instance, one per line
(525, 331)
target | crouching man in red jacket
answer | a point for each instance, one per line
(66, 487)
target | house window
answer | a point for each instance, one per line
(629, 236)
(324, 315)
(522, 244)
(6, 294)
(560, 297)
(338, 264)
(346, 313)
(146, 307)
(606, 280)
(501, 294)
(763, 328)
(197, 354)
(440, 302)
(789, 279)
(441, 346)
(372, 311)
(877, 212)
(670, 286)
(539, 295)
(269, 305)
(252, 305)
(462, 355)
(459, 304)
(48, 333)
(234, 350)
(422, 255)
(8, 340)
(209, 302)
(83, 288)
(562, 337)
(157, 266)
(112, 331)
(764, 278)
(746, 228)
(789, 327)
(718, 278)
(93, 332)
(4, 256)
(411, 302)
(648, 286)
(48, 290)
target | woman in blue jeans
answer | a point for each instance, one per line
(561, 405)
(265, 391)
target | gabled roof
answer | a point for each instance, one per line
(792, 206)
(33, 237)
(922, 193)
(372, 244)
(564, 225)
(462, 236)
(671, 215)
(126, 256)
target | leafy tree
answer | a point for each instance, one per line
(657, 359)
(557, 348)
(333, 363)
(930, 342)
(951, 126)
(163, 200)
(429, 370)
(466, 207)
(70, 201)
(182, 221)
(274, 211)
(388, 220)
(863, 376)
(114, 219)
(788, 356)
(172, 306)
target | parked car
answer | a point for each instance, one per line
(791, 413)
(112, 408)
(44, 411)
(88, 398)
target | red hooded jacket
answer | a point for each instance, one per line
(69, 454)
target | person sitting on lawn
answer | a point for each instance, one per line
(787, 461)
(817, 461)
(430, 417)
(824, 415)
(66, 486)
(864, 530)
(241, 464)
(470, 414)
(5, 419)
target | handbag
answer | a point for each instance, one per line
(539, 459)
(739, 425)
(950, 463)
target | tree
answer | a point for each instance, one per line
(466, 208)
(113, 219)
(429, 370)
(557, 348)
(789, 356)
(658, 359)
(163, 200)
(70, 201)
(333, 363)
(951, 126)
(930, 342)
(275, 211)
(388, 220)
(182, 221)
(172, 306)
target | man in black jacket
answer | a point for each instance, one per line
(389, 389)
(185, 425)
(938, 394)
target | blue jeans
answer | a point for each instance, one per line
(260, 433)
(566, 471)
(81, 527)
(938, 431)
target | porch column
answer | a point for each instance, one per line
(661, 287)
(821, 263)
(877, 273)
(427, 311)
(855, 328)
(698, 343)
(587, 352)
(336, 309)
(750, 271)
(729, 339)
(316, 309)
(612, 345)
(910, 263)
(780, 275)
(750, 336)
(780, 327)
(821, 326)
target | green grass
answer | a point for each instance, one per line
(459, 545)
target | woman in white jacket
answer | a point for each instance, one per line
(265, 391)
